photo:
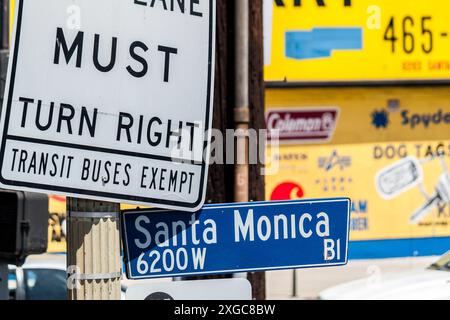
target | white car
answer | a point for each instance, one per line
(432, 283)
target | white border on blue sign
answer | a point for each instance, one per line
(235, 205)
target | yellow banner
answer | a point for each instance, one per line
(357, 40)
(359, 115)
(352, 171)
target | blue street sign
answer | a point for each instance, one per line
(232, 238)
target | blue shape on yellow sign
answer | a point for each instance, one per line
(320, 42)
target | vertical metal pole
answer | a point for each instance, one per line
(93, 250)
(4, 293)
(241, 106)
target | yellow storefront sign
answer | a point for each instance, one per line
(357, 40)
(351, 171)
(388, 149)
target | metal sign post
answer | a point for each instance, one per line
(93, 246)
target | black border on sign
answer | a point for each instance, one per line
(45, 187)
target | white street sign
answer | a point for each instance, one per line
(110, 100)
(222, 289)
